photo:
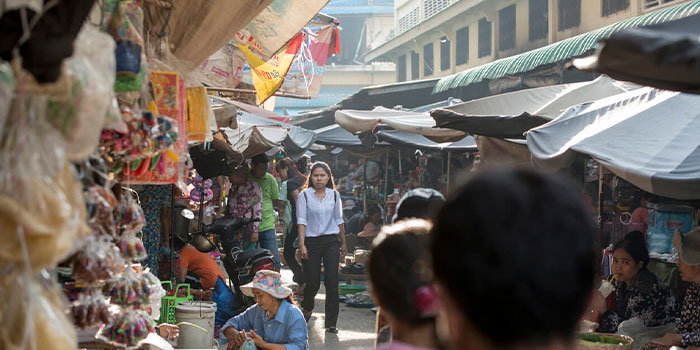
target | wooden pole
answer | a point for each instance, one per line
(600, 200)
(386, 175)
(172, 235)
(364, 186)
(252, 92)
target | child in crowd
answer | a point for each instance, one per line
(399, 278)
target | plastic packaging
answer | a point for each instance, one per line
(90, 309)
(91, 71)
(129, 215)
(127, 328)
(98, 259)
(131, 247)
(33, 315)
(132, 289)
(157, 294)
(101, 202)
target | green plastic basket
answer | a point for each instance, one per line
(168, 303)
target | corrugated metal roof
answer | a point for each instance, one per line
(562, 50)
(357, 7)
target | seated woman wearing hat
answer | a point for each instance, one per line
(638, 293)
(274, 322)
(688, 247)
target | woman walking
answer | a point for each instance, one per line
(321, 240)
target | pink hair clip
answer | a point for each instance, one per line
(426, 301)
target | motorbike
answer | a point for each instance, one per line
(240, 264)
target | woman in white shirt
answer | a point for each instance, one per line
(321, 238)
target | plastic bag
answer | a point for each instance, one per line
(127, 328)
(131, 247)
(132, 289)
(129, 215)
(91, 71)
(97, 260)
(157, 294)
(33, 315)
(90, 309)
(101, 202)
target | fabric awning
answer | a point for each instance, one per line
(664, 55)
(562, 50)
(646, 136)
(416, 123)
(401, 138)
(297, 140)
(510, 115)
(250, 140)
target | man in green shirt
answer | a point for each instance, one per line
(270, 191)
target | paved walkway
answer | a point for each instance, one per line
(355, 326)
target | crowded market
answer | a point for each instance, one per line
(152, 201)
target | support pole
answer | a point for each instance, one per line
(449, 164)
(400, 174)
(386, 176)
(364, 186)
(600, 200)
(172, 235)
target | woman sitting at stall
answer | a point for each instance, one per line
(273, 323)
(638, 293)
(688, 247)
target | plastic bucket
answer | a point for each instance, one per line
(200, 313)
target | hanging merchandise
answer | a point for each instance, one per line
(131, 247)
(268, 74)
(90, 309)
(33, 314)
(7, 92)
(197, 113)
(123, 19)
(127, 328)
(90, 72)
(128, 215)
(130, 289)
(41, 203)
(97, 260)
(101, 202)
(196, 194)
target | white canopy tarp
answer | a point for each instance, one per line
(356, 121)
(250, 140)
(547, 102)
(649, 137)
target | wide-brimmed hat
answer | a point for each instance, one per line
(688, 246)
(269, 282)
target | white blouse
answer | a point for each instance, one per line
(321, 217)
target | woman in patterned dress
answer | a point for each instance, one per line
(638, 293)
(688, 335)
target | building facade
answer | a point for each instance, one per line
(437, 38)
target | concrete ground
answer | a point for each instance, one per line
(355, 326)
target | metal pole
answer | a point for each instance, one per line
(172, 236)
(400, 174)
(600, 199)
(386, 176)
(364, 186)
(252, 92)
(449, 163)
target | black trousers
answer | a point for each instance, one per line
(290, 255)
(322, 250)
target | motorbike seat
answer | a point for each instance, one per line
(251, 254)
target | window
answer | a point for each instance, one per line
(428, 63)
(651, 5)
(444, 53)
(614, 6)
(432, 7)
(506, 28)
(462, 46)
(539, 19)
(402, 68)
(569, 14)
(415, 65)
(484, 38)
(408, 21)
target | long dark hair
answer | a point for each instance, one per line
(330, 184)
(292, 171)
(634, 245)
